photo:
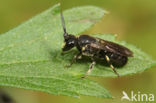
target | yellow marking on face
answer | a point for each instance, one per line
(63, 45)
(107, 58)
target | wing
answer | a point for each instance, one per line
(112, 47)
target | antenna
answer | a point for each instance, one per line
(63, 25)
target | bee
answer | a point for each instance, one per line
(93, 47)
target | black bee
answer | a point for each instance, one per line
(114, 54)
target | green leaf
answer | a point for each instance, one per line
(30, 53)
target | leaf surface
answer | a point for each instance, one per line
(30, 53)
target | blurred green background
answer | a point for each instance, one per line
(133, 20)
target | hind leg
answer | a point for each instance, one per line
(108, 60)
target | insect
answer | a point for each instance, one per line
(96, 48)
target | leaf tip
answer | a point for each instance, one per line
(56, 9)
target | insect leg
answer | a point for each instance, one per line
(90, 68)
(78, 56)
(108, 60)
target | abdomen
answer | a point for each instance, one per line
(117, 60)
